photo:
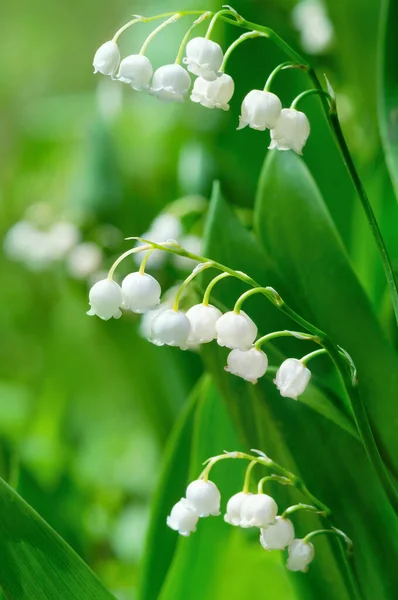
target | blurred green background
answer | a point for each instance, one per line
(87, 406)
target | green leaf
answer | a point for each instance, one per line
(388, 91)
(37, 564)
(293, 224)
(161, 541)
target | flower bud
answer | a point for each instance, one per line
(171, 83)
(236, 330)
(205, 497)
(248, 364)
(301, 553)
(258, 510)
(213, 94)
(292, 378)
(277, 536)
(137, 71)
(107, 58)
(204, 58)
(260, 110)
(234, 508)
(171, 327)
(183, 518)
(105, 299)
(291, 131)
(141, 292)
(203, 323)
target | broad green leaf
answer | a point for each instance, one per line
(161, 541)
(332, 463)
(388, 91)
(37, 564)
(293, 224)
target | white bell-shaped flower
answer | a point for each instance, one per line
(236, 330)
(183, 518)
(203, 323)
(234, 508)
(291, 131)
(107, 58)
(171, 83)
(260, 110)
(301, 553)
(204, 58)
(292, 378)
(171, 327)
(213, 94)
(205, 497)
(141, 292)
(105, 299)
(277, 536)
(258, 510)
(137, 71)
(248, 364)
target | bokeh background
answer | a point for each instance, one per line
(86, 407)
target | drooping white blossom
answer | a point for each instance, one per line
(171, 83)
(260, 110)
(171, 328)
(105, 299)
(234, 508)
(248, 364)
(214, 94)
(107, 58)
(141, 292)
(278, 535)
(204, 58)
(203, 323)
(137, 71)
(236, 330)
(301, 553)
(291, 131)
(258, 510)
(292, 378)
(205, 497)
(183, 518)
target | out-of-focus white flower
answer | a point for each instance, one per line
(260, 110)
(62, 237)
(171, 83)
(84, 260)
(258, 510)
(165, 227)
(203, 323)
(277, 536)
(292, 378)
(248, 364)
(204, 58)
(234, 508)
(205, 497)
(137, 71)
(107, 58)
(214, 94)
(172, 328)
(301, 553)
(105, 299)
(291, 131)
(141, 292)
(236, 330)
(316, 29)
(183, 518)
(192, 243)
(19, 239)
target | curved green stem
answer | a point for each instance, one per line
(188, 280)
(332, 531)
(236, 43)
(186, 37)
(312, 355)
(246, 483)
(285, 333)
(217, 15)
(311, 93)
(141, 19)
(144, 261)
(281, 480)
(154, 33)
(300, 506)
(208, 290)
(278, 69)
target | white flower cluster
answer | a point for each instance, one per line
(212, 88)
(201, 324)
(243, 510)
